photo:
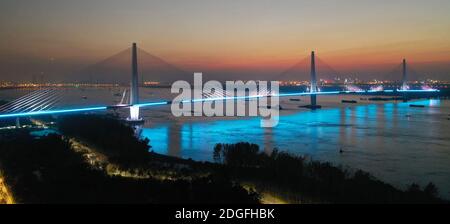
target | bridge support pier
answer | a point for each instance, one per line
(17, 122)
(313, 101)
(405, 97)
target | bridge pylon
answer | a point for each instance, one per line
(404, 80)
(313, 85)
(134, 87)
(404, 76)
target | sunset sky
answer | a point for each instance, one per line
(222, 35)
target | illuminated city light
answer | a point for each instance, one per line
(5, 194)
(353, 88)
(378, 88)
(426, 87)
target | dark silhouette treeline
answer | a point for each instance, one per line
(48, 170)
(312, 180)
(118, 142)
(114, 138)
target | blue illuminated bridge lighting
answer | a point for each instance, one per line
(149, 104)
(35, 113)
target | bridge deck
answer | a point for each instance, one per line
(149, 104)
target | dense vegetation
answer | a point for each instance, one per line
(114, 138)
(311, 180)
(47, 170)
(124, 150)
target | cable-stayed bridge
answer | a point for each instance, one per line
(44, 101)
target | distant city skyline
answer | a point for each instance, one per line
(252, 38)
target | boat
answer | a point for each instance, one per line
(295, 99)
(313, 107)
(416, 105)
(273, 107)
(379, 99)
(349, 101)
(385, 98)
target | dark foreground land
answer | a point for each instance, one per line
(98, 159)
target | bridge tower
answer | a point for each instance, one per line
(404, 79)
(134, 88)
(313, 87)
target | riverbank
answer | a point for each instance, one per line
(102, 151)
(304, 181)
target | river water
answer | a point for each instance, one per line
(396, 143)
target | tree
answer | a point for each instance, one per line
(431, 190)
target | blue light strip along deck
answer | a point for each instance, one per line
(87, 109)
(35, 113)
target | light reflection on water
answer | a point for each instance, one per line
(393, 141)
